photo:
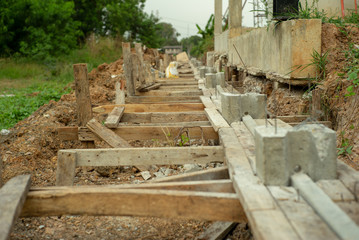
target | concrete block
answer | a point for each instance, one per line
(230, 104)
(311, 149)
(221, 79)
(253, 104)
(271, 163)
(211, 80)
(210, 59)
(202, 72)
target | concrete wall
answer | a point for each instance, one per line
(279, 49)
(221, 42)
(332, 7)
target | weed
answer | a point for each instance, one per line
(184, 139)
(345, 148)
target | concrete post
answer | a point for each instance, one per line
(235, 14)
(311, 149)
(211, 80)
(220, 79)
(218, 17)
(253, 104)
(270, 155)
(230, 104)
(210, 59)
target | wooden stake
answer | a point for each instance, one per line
(120, 92)
(83, 98)
(127, 61)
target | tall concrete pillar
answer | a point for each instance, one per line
(235, 13)
(218, 17)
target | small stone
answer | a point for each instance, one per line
(159, 174)
(169, 171)
(41, 226)
(4, 132)
(146, 175)
(46, 115)
(187, 168)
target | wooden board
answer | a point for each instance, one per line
(332, 214)
(153, 133)
(173, 93)
(12, 198)
(301, 216)
(127, 67)
(159, 107)
(106, 134)
(211, 174)
(66, 168)
(217, 231)
(101, 201)
(164, 117)
(207, 102)
(221, 185)
(154, 99)
(147, 156)
(216, 119)
(114, 117)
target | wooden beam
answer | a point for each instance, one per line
(114, 117)
(211, 174)
(66, 168)
(165, 99)
(170, 124)
(222, 185)
(139, 133)
(153, 133)
(217, 231)
(106, 134)
(176, 93)
(164, 117)
(159, 107)
(147, 156)
(149, 87)
(12, 198)
(82, 92)
(101, 201)
(127, 63)
(343, 226)
(207, 102)
(216, 119)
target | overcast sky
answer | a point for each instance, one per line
(185, 14)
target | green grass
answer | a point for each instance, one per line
(48, 79)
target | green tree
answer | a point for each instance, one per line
(190, 43)
(168, 34)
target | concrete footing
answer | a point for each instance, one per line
(271, 164)
(221, 79)
(211, 80)
(309, 149)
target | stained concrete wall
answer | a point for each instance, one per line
(332, 7)
(221, 42)
(279, 49)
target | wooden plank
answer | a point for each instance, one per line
(207, 102)
(271, 224)
(279, 123)
(336, 190)
(68, 133)
(216, 119)
(159, 107)
(66, 168)
(139, 53)
(154, 99)
(99, 201)
(127, 67)
(211, 174)
(293, 118)
(332, 214)
(149, 87)
(164, 117)
(177, 124)
(153, 133)
(301, 216)
(114, 117)
(217, 231)
(173, 93)
(349, 177)
(82, 92)
(222, 185)
(147, 156)
(12, 199)
(106, 134)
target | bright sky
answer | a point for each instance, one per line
(185, 14)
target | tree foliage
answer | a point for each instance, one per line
(39, 29)
(168, 34)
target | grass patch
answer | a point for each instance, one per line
(47, 79)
